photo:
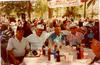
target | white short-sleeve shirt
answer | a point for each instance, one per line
(36, 41)
(18, 47)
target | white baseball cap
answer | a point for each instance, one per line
(40, 26)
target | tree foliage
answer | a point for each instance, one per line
(91, 2)
(41, 7)
(17, 7)
(73, 11)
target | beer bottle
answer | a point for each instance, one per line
(43, 50)
(58, 56)
(49, 52)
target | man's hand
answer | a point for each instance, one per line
(14, 60)
(28, 50)
(40, 50)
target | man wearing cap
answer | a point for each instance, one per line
(17, 47)
(75, 37)
(38, 38)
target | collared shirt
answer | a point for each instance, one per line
(18, 47)
(91, 35)
(53, 39)
(36, 41)
(75, 38)
(89, 24)
(5, 35)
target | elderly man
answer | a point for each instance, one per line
(17, 47)
(38, 38)
(56, 37)
(75, 37)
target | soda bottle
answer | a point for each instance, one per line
(58, 56)
(49, 53)
(43, 50)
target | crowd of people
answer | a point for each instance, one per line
(22, 35)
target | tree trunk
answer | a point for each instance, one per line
(68, 9)
(50, 12)
(92, 12)
(72, 11)
(85, 9)
(29, 9)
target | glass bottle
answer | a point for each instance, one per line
(43, 50)
(57, 56)
(49, 53)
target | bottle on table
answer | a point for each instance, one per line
(57, 56)
(82, 52)
(54, 51)
(43, 50)
(49, 53)
(46, 50)
(78, 52)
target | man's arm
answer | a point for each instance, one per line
(10, 53)
(13, 59)
(27, 51)
(27, 47)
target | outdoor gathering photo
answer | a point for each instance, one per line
(50, 32)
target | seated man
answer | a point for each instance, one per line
(56, 41)
(38, 38)
(17, 47)
(75, 37)
(56, 37)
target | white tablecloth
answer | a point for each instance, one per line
(43, 60)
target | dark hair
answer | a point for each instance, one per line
(20, 28)
(3, 27)
(33, 21)
(57, 26)
(18, 19)
(23, 16)
(64, 22)
(73, 27)
(90, 21)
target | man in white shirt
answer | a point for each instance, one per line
(38, 38)
(17, 47)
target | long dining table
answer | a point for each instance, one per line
(43, 60)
